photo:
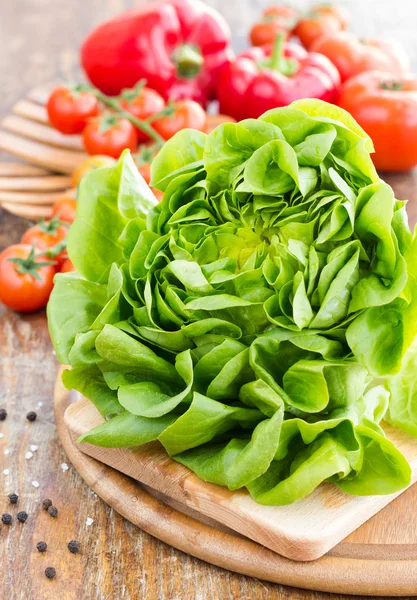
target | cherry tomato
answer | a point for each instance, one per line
(157, 193)
(70, 109)
(46, 235)
(187, 114)
(337, 11)
(90, 164)
(313, 27)
(352, 55)
(64, 208)
(275, 20)
(145, 170)
(67, 266)
(142, 105)
(24, 287)
(386, 108)
(109, 135)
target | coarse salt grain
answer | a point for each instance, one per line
(39, 405)
(64, 467)
(6, 471)
(35, 484)
(34, 448)
(1, 435)
(28, 455)
(89, 521)
(6, 452)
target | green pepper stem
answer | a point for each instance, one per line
(277, 53)
(188, 60)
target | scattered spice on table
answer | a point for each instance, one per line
(42, 546)
(50, 572)
(3, 414)
(22, 516)
(6, 518)
(13, 498)
(53, 511)
(46, 503)
(31, 416)
(74, 546)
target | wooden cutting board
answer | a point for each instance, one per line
(30, 190)
(378, 559)
(303, 531)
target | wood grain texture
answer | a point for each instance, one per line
(118, 560)
(303, 531)
(349, 567)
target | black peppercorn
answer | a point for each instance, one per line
(74, 546)
(31, 416)
(3, 414)
(46, 503)
(53, 511)
(50, 572)
(42, 546)
(13, 498)
(22, 516)
(6, 518)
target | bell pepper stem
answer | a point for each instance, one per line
(188, 60)
(277, 53)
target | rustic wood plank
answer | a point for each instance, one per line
(41, 133)
(35, 184)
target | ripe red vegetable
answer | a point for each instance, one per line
(46, 235)
(336, 10)
(352, 55)
(275, 19)
(313, 27)
(109, 135)
(64, 208)
(187, 114)
(67, 266)
(178, 46)
(69, 109)
(25, 281)
(386, 108)
(256, 81)
(142, 104)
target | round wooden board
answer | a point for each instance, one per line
(379, 559)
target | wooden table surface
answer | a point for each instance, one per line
(118, 561)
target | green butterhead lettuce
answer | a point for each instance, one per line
(259, 321)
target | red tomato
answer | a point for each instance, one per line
(387, 110)
(69, 110)
(312, 28)
(157, 193)
(187, 114)
(142, 105)
(24, 287)
(46, 235)
(337, 11)
(352, 55)
(90, 164)
(145, 170)
(109, 135)
(67, 266)
(64, 208)
(275, 20)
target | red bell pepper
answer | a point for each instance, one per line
(177, 46)
(258, 81)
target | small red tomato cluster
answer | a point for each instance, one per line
(110, 124)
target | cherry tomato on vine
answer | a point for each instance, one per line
(275, 19)
(25, 281)
(186, 114)
(67, 266)
(313, 27)
(109, 135)
(157, 193)
(69, 109)
(337, 11)
(65, 208)
(145, 170)
(46, 235)
(90, 164)
(142, 102)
